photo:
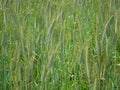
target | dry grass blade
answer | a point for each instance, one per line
(43, 73)
(51, 60)
(87, 66)
(105, 28)
(95, 85)
(117, 64)
(49, 32)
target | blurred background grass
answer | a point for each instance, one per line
(59, 45)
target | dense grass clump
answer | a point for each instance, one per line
(59, 45)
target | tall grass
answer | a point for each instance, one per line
(59, 45)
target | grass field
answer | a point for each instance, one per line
(59, 44)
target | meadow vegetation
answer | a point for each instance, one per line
(59, 44)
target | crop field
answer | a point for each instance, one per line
(59, 44)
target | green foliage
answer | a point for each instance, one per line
(59, 44)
